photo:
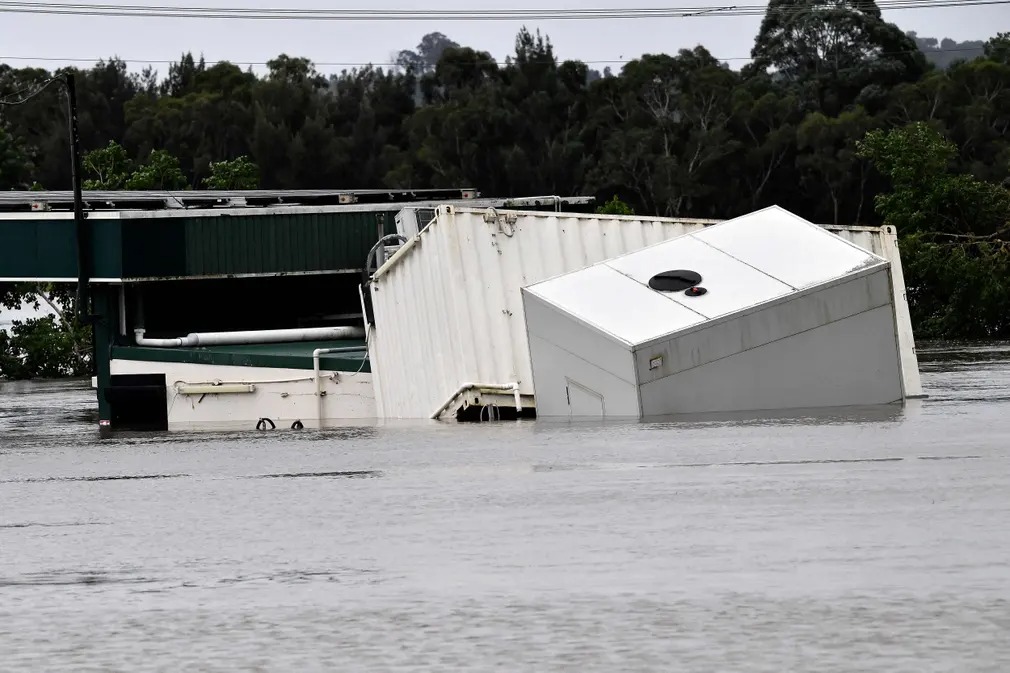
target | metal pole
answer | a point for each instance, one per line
(83, 234)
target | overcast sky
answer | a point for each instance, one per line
(32, 39)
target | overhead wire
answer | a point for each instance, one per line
(168, 11)
(373, 14)
(379, 64)
(32, 92)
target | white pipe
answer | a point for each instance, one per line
(252, 337)
(493, 387)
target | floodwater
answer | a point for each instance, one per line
(861, 540)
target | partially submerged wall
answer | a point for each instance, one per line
(448, 306)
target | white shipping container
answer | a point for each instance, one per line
(448, 306)
(789, 317)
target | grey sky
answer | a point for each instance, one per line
(32, 38)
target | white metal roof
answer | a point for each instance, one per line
(787, 247)
(743, 262)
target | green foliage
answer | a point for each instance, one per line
(833, 51)
(160, 171)
(957, 289)
(240, 173)
(15, 162)
(998, 49)
(49, 346)
(953, 227)
(925, 195)
(615, 207)
(110, 166)
(828, 157)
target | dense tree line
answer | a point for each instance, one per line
(840, 117)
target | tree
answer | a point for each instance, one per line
(160, 171)
(997, 49)
(666, 127)
(239, 173)
(15, 164)
(955, 233)
(110, 167)
(615, 207)
(832, 51)
(925, 195)
(49, 346)
(830, 163)
(764, 124)
(425, 57)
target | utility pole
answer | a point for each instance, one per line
(84, 315)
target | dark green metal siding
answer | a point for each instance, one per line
(107, 249)
(47, 248)
(250, 244)
(207, 245)
(279, 243)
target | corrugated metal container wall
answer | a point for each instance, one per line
(448, 308)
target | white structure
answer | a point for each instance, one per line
(217, 397)
(448, 309)
(793, 317)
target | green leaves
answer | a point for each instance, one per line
(954, 230)
(53, 345)
(160, 171)
(15, 163)
(925, 195)
(957, 290)
(615, 207)
(240, 173)
(110, 168)
(830, 51)
(829, 161)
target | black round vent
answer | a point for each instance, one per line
(674, 281)
(695, 291)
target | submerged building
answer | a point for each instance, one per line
(449, 334)
(763, 312)
(223, 309)
(316, 308)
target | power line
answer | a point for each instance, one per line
(704, 11)
(32, 92)
(362, 64)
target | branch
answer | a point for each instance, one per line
(56, 310)
(974, 238)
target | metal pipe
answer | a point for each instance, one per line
(318, 379)
(251, 337)
(384, 268)
(491, 387)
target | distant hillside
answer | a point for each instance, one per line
(942, 53)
